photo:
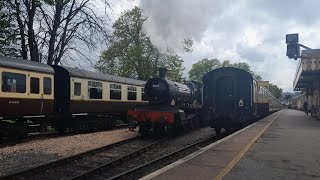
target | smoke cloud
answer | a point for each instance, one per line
(172, 21)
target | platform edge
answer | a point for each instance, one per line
(202, 150)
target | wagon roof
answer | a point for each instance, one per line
(74, 72)
(226, 69)
(25, 65)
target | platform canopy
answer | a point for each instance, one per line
(308, 71)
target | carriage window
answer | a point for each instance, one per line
(94, 90)
(143, 95)
(47, 85)
(132, 93)
(77, 89)
(13, 82)
(34, 85)
(115, 91)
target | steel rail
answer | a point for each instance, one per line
(162, 158)
(35, 170)
(98, 170)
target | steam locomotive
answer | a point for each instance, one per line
(172, 105)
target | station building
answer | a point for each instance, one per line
(307, 80)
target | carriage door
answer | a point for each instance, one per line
(225, 95)
(36, 107)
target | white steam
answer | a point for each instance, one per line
(171, 21)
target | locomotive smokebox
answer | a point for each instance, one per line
(163, 73)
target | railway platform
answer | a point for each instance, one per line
(284, 145)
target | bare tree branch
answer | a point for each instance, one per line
(48, 29)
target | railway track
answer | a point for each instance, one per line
(41, 172)
(128, 171)
(141, 162)
(42, 136)
(122, 160)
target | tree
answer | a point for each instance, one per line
(226, 63)
(7, 32)
(241, 65)
(131, 53)
(51, 29)
(174, 64)
(202, 67)
(205, 65)
(275, 90)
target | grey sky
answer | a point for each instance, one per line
(251, 31)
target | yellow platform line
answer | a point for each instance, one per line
(239, 156)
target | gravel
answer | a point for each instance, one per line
(34, 153)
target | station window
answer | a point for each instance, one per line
(132, 93)
(34, 85)
(115, 91)
(13, 82)
(95, 90)
(47, 85)
(143, 95)
(77, 89)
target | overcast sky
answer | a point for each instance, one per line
(251, 31)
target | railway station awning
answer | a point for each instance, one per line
(308, 71)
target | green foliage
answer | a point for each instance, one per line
(241, 65)
(174, 64)
(205, 65)
(202, 67)
(275, 90)
(131, 53)
(7, 30)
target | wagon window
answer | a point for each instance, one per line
(77, 89)
(47, 85)
(143, 95)
(34, 85)
(13, 82)
(115, 91)
(132, 93)
(95, 90)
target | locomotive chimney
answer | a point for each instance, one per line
(163, 73)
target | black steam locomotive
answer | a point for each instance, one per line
(170, 105)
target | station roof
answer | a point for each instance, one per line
(308, 70)
(25, 65)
